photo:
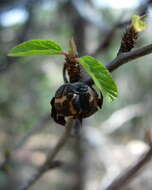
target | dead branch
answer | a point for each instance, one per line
(133, 170)
(24, 139)
(121, 116)
(49, 160)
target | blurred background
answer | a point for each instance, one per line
(114, 137)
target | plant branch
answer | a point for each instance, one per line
(37, 128)
(129, 56)
(142, 10)
(106, 42)
(119, 182)
(21, 142)
(131, 172)
(49, 160)
(125, 58)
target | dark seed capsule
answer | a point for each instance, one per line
(75, 100)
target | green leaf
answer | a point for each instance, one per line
(138, 23)
(36, 47)
(101, 77)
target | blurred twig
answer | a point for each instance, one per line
(48, 165)
(49, 160)
(131, 172)
(24, 139)
(77, 22)
(22, 35)
(90, 14)
(121, 116)
(32, 131)
(109, 36)
(106, 42)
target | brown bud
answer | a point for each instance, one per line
(128, 40)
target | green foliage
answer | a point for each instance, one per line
(101, 77)
(35, 47)
(138, 23)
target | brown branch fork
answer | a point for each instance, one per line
(50, 163)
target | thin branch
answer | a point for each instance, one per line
(129, 56)
(39, 173)
(142, 10)
(38, 127)
(20, 143)
(109, 36)
(131, 172)
(126, 114)
(23, 33)
(125, 58)
(49, 160)
(106, 42)
(123, 179)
